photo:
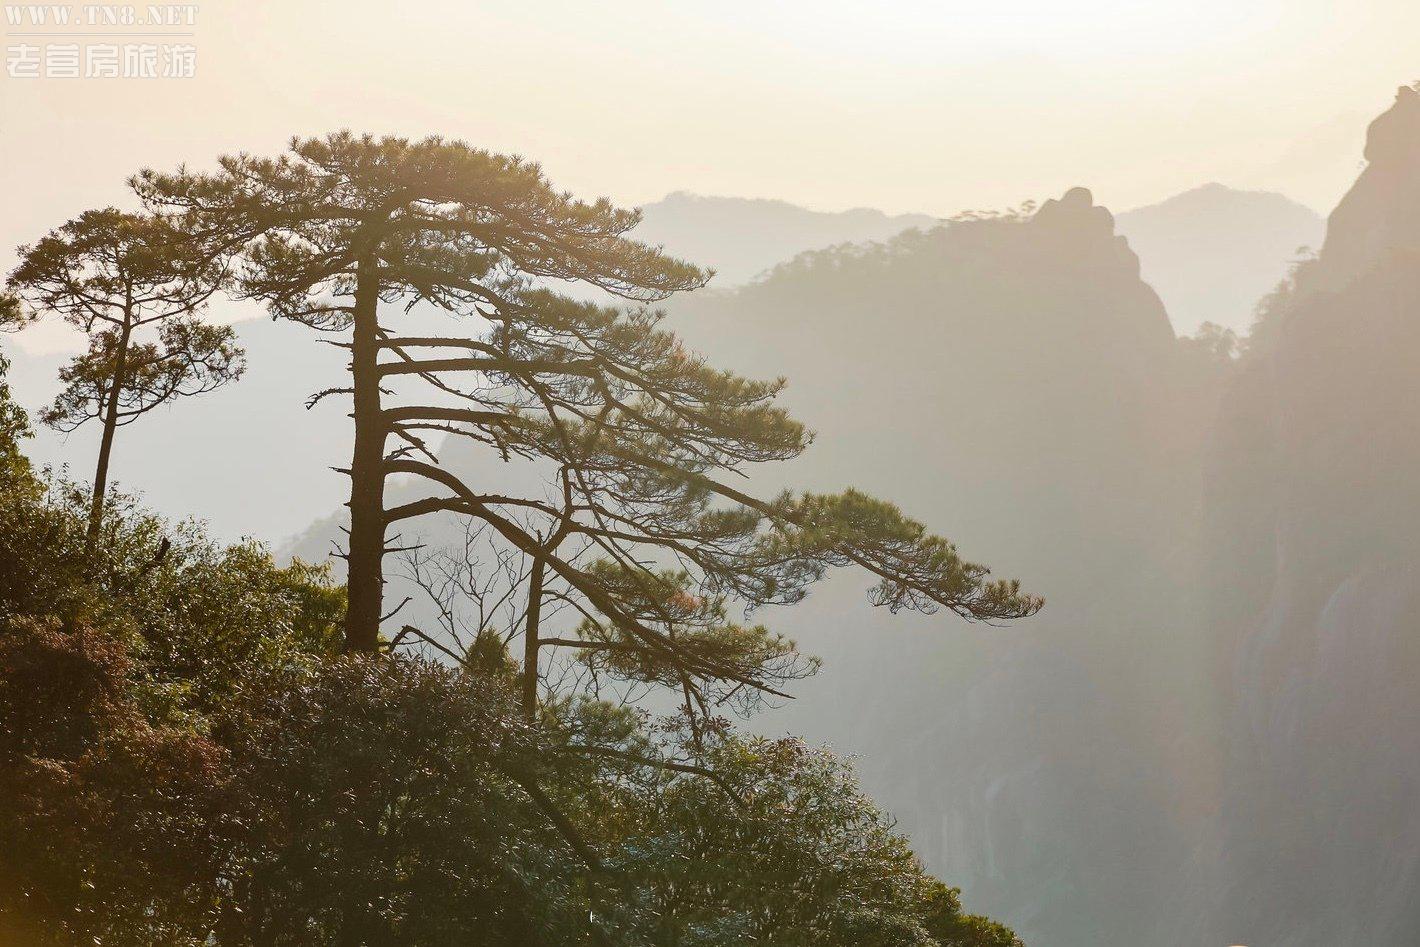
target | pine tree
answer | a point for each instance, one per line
(135, 286)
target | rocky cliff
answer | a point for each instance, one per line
(1317, 503)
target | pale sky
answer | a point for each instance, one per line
(909, 105)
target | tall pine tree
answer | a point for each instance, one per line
(639, 524)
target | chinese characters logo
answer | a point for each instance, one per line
(100, 41)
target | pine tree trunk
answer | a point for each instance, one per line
(96, 505)
(530, 642)
(365, 585)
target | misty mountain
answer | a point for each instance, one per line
(1211, 253)
(1207, 736)
(743, 237)
(1037, 409)
(1214, 251)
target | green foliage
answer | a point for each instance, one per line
(15, 473)
(104, 837)
(916, 569)
(949, 926)
(704, 635)
(441, 216)
(92, 267)
(187, 761)
(382, 802)
(114, 662)
(197, 615)
(12, 314)
(788, 853)
(717, 840)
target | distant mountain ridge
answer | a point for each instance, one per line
(743, 237)
(219, 471)
(1211, 253)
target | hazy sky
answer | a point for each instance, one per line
(906, 106)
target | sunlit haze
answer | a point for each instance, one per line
(930, 107)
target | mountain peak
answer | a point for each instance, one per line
(1075, 205)
(1082, 226)
(1381, 212)
(1395, 134)
(1216, 194)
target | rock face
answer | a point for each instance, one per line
(1318, 506)
(1382, 211)
(1210, 735)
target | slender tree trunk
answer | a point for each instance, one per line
(530, 639)
(365, 585)
(96, 505)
